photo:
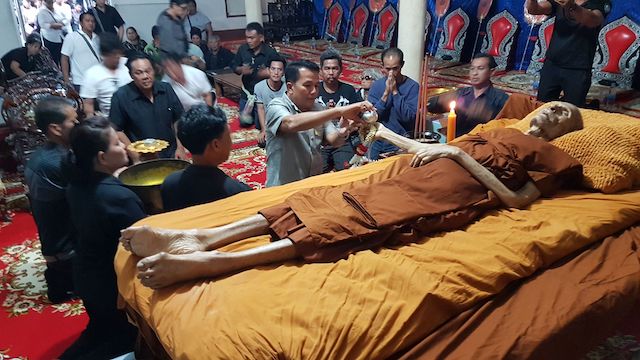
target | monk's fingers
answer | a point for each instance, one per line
(415, 160)
(425, 160)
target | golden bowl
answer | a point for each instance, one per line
(148, 146)
(146, 177)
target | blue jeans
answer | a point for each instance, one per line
(254, 113)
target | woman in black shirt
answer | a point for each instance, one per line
(133, 42)
(100, 207)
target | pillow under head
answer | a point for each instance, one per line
(608, 148)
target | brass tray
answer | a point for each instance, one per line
(147, 146)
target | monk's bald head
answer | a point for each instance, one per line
(555, 120)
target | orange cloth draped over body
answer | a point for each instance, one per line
(329, 223)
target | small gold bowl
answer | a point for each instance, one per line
(147, 146)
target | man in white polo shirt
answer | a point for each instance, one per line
(102, 80)
(80, 51)
(190, 84)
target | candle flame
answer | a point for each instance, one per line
(452, 105)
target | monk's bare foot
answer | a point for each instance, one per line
(164, 269)
(146, 241)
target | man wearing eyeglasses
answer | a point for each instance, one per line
(269, 89)
(173, 38)
(395, 97)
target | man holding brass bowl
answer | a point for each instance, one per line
(146, 108)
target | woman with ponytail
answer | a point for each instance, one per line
(100, 207)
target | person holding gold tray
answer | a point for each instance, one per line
(148, 149)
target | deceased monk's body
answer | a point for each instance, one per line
(443, 187)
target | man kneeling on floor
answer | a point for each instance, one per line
(445, 187)
(203, 130)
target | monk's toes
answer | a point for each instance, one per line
(151, 261)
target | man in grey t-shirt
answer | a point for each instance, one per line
(297, 126)
(269, 89)
(173, 39)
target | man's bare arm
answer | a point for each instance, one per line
(261, 119)
(209, 30)
(310, 119)
(538, 8)
(64, 64)
(15, 67)
(208, 98)
(88, 107)
(337, 138)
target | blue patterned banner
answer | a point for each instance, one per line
(619, 8)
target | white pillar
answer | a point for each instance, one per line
(8, 28)
(253, 9)
(411, 14)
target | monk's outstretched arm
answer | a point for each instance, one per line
(425, 153)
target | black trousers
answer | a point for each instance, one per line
(573, 83)
(54, 49)
(59, 277)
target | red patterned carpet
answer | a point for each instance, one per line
(32, 328)
(247, 162)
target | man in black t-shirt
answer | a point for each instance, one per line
(251, 62)
(203, 130)
(47, 181)
(569, 59)
(332, 93)
(108, 19)
(18, 62)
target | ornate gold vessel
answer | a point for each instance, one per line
(146, 177)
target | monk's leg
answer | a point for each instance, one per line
(147, 241)
(164, 269)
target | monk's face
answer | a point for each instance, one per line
(556, 120)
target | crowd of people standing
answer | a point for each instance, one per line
(132, 90)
